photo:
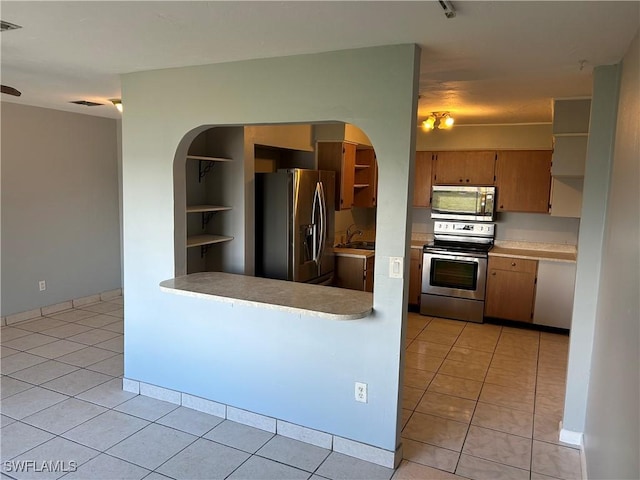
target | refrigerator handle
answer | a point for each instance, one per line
(323, 222)
(315, 208)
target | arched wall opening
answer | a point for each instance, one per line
(295, 368)
(214, 171)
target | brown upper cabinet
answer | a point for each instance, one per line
(523, 181)
(422, 179)
(365, 184)
(339, 157)
(464, 168)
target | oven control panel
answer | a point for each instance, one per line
(464, 228)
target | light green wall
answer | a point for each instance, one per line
(612, 430)
(604, 105)
(303, 367)
(60, 206)
(486, 137)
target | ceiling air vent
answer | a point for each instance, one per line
(4, 26)
(447, 6)
(86, 103)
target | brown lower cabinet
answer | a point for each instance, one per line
(511, 288)
(354, 272)
(415, 276)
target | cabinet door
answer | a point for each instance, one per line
(511, 285)
(480, 168)
(415, 276)
(348, 175)
(450, 168)
(465, 168)
(350, 273)
(523, 180)
(422, 179)
(554, 294)
(368, 275)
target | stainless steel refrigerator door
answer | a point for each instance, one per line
(306, 225)
(327, 259)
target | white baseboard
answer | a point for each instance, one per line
(571, 437)
(58, 307)
(326, 440)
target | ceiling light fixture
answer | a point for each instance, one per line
(439, 120)
(117, 103)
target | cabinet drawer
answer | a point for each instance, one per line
(513, 264)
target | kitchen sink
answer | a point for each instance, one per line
(358, 245)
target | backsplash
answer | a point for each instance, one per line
(511, 227)
(363, 218)
(516, 227)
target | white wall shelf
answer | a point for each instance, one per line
(208, 159)
(200, 240)
(206, 208)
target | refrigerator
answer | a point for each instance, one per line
(295, 225)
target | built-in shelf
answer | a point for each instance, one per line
(208, 159)
(361, 185)
(199, 240)
(206, 208)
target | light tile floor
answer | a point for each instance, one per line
(480, 400)
(484, 401)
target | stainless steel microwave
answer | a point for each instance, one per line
(463, 203)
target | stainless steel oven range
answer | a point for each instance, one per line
(454, 270)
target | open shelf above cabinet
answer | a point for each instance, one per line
(199, 240)
(206, 208)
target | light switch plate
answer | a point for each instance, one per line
(395, 267)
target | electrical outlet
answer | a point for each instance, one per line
(395, 267)
(42, 285)
(361, 392)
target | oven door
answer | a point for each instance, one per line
(454, 275)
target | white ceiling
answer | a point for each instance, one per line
(495, 62)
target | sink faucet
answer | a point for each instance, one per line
(351, 234)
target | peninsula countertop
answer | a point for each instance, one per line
(293, 297)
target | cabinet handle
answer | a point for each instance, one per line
(467, 180)
(513, 264)
(493, 273)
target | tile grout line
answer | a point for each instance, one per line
(477, 400)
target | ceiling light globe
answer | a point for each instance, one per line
(429, 123)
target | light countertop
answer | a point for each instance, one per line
(535, 251)
(303, 298)
(353, 252)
